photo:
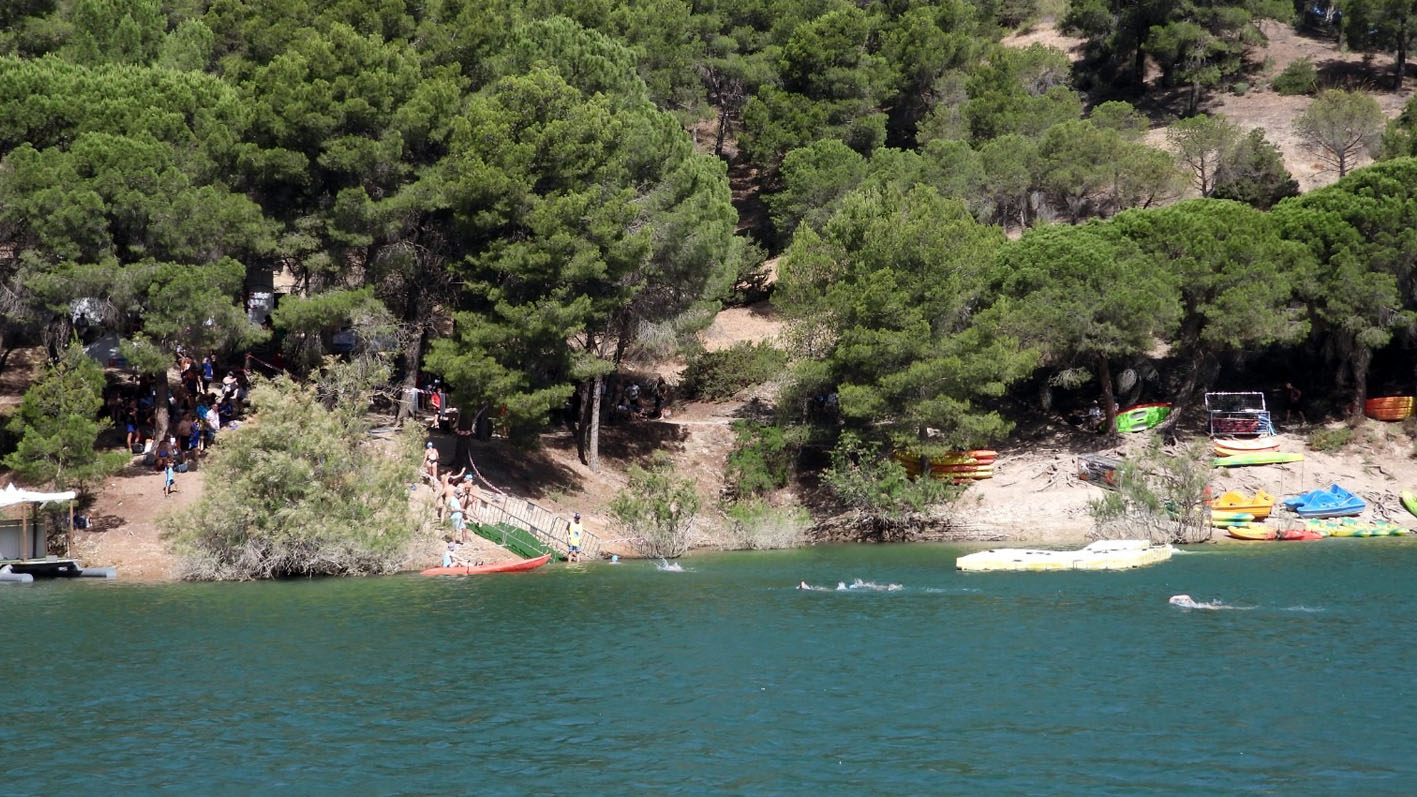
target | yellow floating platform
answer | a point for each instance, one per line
(1100, 555)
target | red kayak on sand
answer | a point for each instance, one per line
(498, 567)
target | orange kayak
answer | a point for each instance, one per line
(498, 567)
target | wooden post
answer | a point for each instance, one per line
(69, 538)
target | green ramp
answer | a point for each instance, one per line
(517, 540)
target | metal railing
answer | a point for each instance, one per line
(1238, 414)
(547, 526)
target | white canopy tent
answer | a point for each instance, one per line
(24, 542)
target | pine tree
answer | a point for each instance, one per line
(58, 426)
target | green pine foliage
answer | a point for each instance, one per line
(519, 196)
(720, 375)
(1253, 172)
(1083, 296)
(1400, 138)
(881, 304)
(301, 489)
(761, 460)
(865, 478)
(57, 425)
(1299, 77)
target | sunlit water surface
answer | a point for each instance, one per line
(609, 679)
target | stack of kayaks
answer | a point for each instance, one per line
(1230, 447)
(1257, 458)
(1332, 502)
(956, 466)
(1259, 506)
(1350, 527)
(1389, 408)
(1222, 519)
(1142, 416)
(1266, 533)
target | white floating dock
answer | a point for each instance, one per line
(1100, 555)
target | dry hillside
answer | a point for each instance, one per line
(1260, 106)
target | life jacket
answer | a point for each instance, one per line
(573, 537)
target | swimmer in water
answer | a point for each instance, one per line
(868, 585)
(1187, 602)
(806, 586)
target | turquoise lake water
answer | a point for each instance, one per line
(613, 679)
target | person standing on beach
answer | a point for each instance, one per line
(574, 530)
(430, 462)
(455, 513)
(1292, 397)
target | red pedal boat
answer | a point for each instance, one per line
(498, 567)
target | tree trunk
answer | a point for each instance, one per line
(160, 404)
(56, 336)
(1109, 401)
(1361, 360)
(1139, 61)
(594, 444)
(408, 395)
(1401, 60)
(462, 452)
(722, 132)
(1190, 342)
(583, 423)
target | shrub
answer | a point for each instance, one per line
(658, 509)
(1253, 172)
(300, 490)
(865, 478)
(760, 461)
(1299, 77)
(753, 281)
(1240, 88)
(758, 525)
(1160, 496)
(1328, 440)
(718, 375)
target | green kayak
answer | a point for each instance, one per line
(1142, 416)
(1409, 501)
(1257, 458)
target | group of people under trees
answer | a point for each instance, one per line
(625, 399)
(199, 406)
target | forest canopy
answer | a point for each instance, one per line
(520, 194)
